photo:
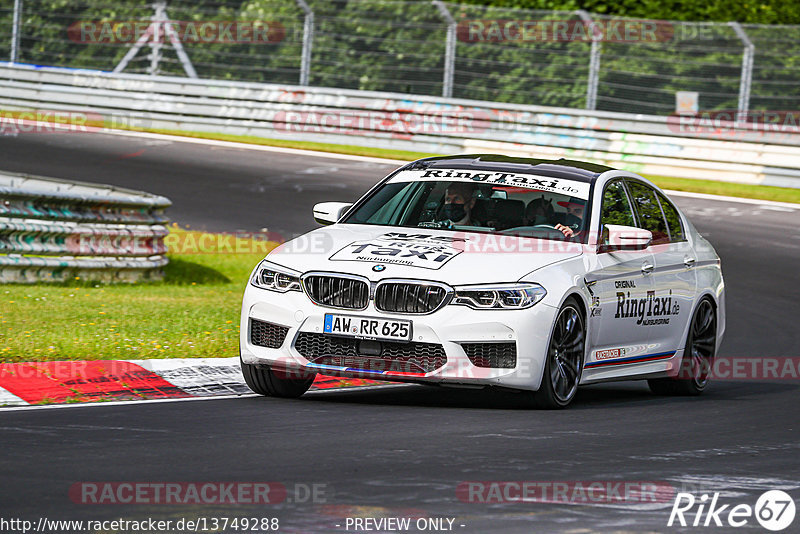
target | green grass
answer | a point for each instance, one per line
(712, 187)
(193, 313)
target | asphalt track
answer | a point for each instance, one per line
(404, 451)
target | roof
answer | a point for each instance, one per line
(555, 168)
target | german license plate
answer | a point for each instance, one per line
(367, 327)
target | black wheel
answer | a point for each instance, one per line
(266, 381)
(564, 363)
(698, 356)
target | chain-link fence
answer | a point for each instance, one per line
(552, 58)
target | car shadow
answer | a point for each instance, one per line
(597, 396)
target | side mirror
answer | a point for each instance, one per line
(330, 212)
(618, 237)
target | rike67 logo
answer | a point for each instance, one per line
(774, 510)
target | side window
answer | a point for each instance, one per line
(673, 219)
(649, 210)
(616, 208)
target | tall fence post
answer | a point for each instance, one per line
(747, 72)
(450, 49)
(308, 41)
(155, 43)
(594, 61)
(15, 28)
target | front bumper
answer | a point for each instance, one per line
(449, 327)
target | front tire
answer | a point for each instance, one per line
(266, 381)
(698, 356)
(564, 363)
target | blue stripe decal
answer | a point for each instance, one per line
(356, 370)
(632, 359)
(340, 368)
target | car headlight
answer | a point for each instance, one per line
(274, 278)
(499, 296)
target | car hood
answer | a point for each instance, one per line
(455, 258)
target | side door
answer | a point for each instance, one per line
(620, 282)
(669, 307)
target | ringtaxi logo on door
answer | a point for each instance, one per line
(774, 510)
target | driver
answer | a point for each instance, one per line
(574, 220)
(458, 203)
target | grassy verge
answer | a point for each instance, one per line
(711, 187)
(352, 150)
(193, 313)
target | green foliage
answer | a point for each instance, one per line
(755, 12)
(399, 46)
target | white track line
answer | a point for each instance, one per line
(331, 155)
(313, 392)
(250, 146)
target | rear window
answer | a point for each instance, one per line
(673, 219)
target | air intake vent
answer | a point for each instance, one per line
(493, 355)
(388, 356)
(337, 291)
(267, 335)
(409, 297)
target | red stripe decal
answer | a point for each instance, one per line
(330, 382)
(62, 382)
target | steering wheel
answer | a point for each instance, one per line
(548, 226)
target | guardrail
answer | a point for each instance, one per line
(648, 144)
(54, 230)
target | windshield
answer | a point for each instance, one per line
(449, 199)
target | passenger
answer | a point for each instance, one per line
(540, 211)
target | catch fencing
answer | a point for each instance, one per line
(647, 144)
(571, 59)
(57, 230)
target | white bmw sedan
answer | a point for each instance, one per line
(487, 270)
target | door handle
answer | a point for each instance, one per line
(647, 268)
(689, 262)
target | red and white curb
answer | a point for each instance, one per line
(114, 380)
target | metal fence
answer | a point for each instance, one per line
(550, 58)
